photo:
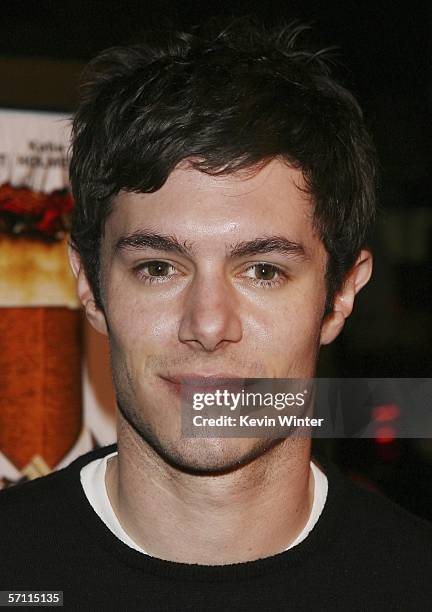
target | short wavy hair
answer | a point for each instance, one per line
(226, 98)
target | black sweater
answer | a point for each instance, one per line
(365, 553)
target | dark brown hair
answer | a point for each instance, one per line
(226, 98)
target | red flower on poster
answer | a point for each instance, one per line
(24, 211)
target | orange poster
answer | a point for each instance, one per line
(42, 416)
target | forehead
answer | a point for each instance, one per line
(271, 200)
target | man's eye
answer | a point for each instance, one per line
(265, 272)
(157, 268)
(154, 271)
(265, 275)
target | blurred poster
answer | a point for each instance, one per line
(43, 422)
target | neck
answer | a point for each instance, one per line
(252, 512)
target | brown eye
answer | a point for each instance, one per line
(265, 275)
(158, 268)
(265, 272)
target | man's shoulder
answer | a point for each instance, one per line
(42, 498)
(46, 529)
(376, 524)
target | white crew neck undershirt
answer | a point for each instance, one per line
(92, 478)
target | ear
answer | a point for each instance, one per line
(95, 315)
(343, 303)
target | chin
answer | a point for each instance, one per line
(208, 456)
(205, 456)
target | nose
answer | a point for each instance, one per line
(211, 315)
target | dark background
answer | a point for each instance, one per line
(385, 53)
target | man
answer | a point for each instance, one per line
(224, 188)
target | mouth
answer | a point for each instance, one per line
(187, 384)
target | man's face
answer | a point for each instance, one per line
(211, 276)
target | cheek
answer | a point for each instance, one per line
(137, 329)
(288, 334)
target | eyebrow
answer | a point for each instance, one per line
(150, 240)
(270, 244)
(143, 239)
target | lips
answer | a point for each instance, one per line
(186, 385)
